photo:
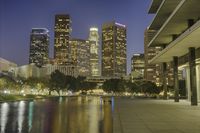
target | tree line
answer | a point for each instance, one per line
(59, 82)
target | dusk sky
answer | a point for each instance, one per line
(18, 17)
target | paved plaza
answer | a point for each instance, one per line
(155, 116)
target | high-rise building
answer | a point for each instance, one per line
(152, 72)
(80, 54)
(94, 51)
(61, 40)
(137, 63)
(113, 50)
(39, 46)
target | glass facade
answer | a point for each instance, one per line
(39, 47)
(114, 50)
(61, 40)
(137, 63)
(94, 51)
(80, 54)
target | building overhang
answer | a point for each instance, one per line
(163, 12)
(180, 46)
(176, 22)
(155, 4)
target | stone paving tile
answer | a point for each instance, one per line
(155, 116)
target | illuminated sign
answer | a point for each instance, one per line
(120, 24)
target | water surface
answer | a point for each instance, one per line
(57, 115)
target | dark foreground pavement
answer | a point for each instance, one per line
(155, 116)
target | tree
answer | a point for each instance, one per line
(114, 85)
(57, 82)
(133, 87)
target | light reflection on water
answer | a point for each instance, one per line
(4, 116)
(58, 115)
(21, 109)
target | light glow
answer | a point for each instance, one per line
(120, 24)
(93, 29)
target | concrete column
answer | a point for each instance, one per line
(176, 82)
(193, 85)
(190, 22)
(198, 82)
(164, 68)
(174, 36)
(187, 70)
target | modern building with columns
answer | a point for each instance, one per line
(177, 26)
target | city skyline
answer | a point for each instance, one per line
(94, 11)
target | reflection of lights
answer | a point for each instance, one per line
(30, 115)
(60, 99)
(4, 116)
(112, 100)
(93, 116)
(21, 109)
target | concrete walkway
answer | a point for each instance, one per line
(155, 116)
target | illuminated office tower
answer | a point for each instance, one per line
(94, 51)
(39, 46)
(113, 50)
(61, 40)
(137, 63)
(80, 54)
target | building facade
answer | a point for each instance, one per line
(153, 72)
(137, 64)
(31, 70)
(61, 40)
(80, 54)
(94, 52)
(114, 50)
(177, 27)
(39, 46)
(6, 65)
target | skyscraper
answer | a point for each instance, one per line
(94, 51)
(137, 63)
(113, 50)
(80, 53)
(152, 72)
(39, 46)
(61, 40)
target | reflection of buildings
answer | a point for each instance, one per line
(94, 51)
(39, 46)
(20, 119)
(4, 116)
(177, 31)
(61, 40)
(80, 53)
(113, 50)
(107, 121)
